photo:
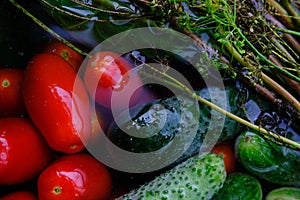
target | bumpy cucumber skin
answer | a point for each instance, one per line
(240, 186)
(200, 177)
(284, 193)
(175, 127)
(268, 161)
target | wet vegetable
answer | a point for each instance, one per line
(200, 177)
(11, 100)
(240, 186)
(59, 111)
(24, 153)
(77, 176)
(284, 193)
(268, 161)
(226, 150)
(161, 123)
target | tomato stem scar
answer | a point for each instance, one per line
(5, 83)
(57, 190)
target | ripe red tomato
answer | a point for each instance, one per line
(227, 152)
(106, 73)
(75, 176)
(11, 100)
(58, 107)
(23, 151)
(20, 195)
(97, 124)
(71, 56)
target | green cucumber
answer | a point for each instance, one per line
(189, 131)
(240, 186)
(268, 161)
(284, 193)
(199, 177)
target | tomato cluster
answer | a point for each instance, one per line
(44, 119)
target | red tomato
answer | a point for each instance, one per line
(107, 73)
(23, 151)
(59, 109)
(20, 195)
(71, 56)
(227, 152)
(76, 176)
(97, 124)
(11, 100)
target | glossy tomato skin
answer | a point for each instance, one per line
(71, 56)
(20, 195)
(226, 150)
(11, 99)
(76, 176)
(107, 73)
(23, 151)
(59, 109)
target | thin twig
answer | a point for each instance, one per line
(46, 28)
(261, 130)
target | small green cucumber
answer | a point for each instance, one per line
(165, 118)
(268, 161)
(200, 177)
(284, 193)
(240, 186)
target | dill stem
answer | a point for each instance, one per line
(280, 90)
(47, 29)
(266, 59)
(261, 130)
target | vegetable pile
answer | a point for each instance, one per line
(59, 102)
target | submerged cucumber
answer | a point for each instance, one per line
(268, 161)
(164, 118)
(284, 193)
(199, 177)
(240, 186)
